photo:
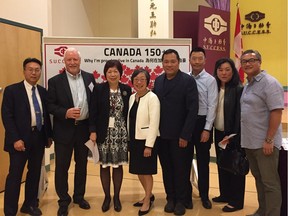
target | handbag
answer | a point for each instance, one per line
(233, 160)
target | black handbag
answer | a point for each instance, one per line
(233, 160)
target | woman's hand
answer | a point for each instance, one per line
(93, 137)
(147, 152)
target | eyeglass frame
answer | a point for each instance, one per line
(250, 61)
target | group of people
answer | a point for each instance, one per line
(178, 115)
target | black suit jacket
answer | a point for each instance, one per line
(179, 105)
(16, 116)
(100, 107)
(60, 100)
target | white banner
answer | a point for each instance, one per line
(132, 53)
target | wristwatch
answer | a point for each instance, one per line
(269, 140)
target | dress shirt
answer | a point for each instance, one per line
(79, 96)
(28, 88)
(260, 96)
(208, 97)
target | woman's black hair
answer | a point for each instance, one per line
(235, 80)
(113, 63)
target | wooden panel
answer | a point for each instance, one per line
(17, 42)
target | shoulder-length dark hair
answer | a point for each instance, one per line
(235, 80)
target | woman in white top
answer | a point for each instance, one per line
(143, 128)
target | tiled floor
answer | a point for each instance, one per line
(132, 192)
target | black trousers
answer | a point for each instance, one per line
(202, 157)
(34, 155)
(63, 153)
(232, 187)
(173, 161)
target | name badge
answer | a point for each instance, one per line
(111, 122)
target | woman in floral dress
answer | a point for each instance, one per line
(108, 116)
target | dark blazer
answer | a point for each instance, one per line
(100, 108)
(232, 113)
(16, 116)
(60, 100)
(179, 105)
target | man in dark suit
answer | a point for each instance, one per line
(178, 97)
(68, 101)
(27, 132)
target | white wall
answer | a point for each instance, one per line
(30, 12)
(70, 18)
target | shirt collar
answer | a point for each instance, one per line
(74, 76)
(201, 74)
(258, 77)
(28, 85)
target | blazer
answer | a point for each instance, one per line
(179, 105)
(60, 100)
(100, 108)
(16, 116)
(147, 118)
(232, 113)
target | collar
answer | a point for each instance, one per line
(28, 85)
(201, 74)
(258, 77)
(73, 76)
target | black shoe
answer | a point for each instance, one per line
(117, 204)
(230, 209)
(169, 207)
(179, 209)
(106, 204)
(207, 204)
(188, 205)
(220, 199)
(83, 204)
(30, 210)
(140, 203)
(62, 211)
(147, 211)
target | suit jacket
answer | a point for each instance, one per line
(147, 118)
(60, 100)
(100, 108)
(16, 116)
(179, 105)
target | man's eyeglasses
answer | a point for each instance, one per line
(31, 70)
(250, 61)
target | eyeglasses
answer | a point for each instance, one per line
(31, 70)
(250, 61)
(139, 80)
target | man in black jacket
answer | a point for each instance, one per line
(27, 132)
(68, 101)
(178, 97)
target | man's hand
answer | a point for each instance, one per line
(268, 148)
(73, 113)
(19, 145)
(205, 136)
(182, 143)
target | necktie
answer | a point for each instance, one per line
(37, 110)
